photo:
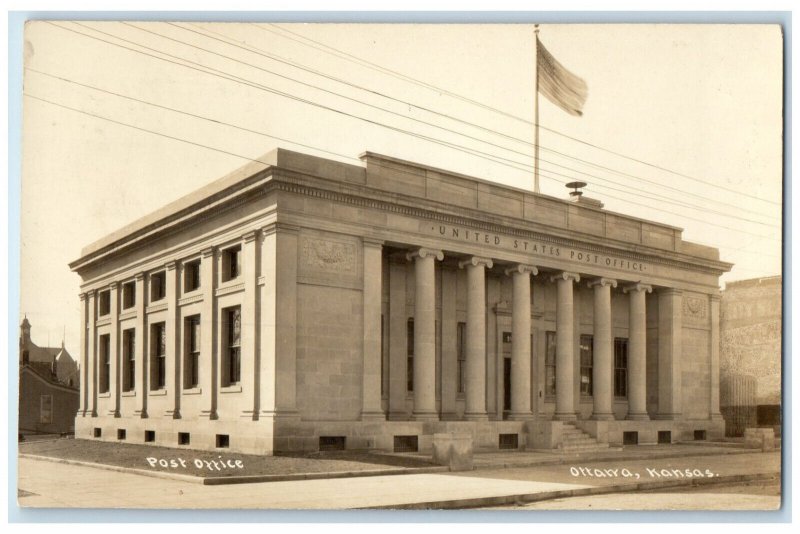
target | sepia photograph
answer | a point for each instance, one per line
(353, 266)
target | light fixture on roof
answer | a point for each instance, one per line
(576, 195)
(576, 186)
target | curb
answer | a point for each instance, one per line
(245, 479)
(251, 479)
(118, 469)
(524, 498)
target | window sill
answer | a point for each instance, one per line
(158, 392)
(192, 391)
(106, 395)
(129, 393)
(231, 389)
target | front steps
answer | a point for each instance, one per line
(574, 440)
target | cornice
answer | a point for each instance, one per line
(290, 184)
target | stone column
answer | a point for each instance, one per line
(397, 341)
(637, 353)
(371, 298)
(91, 354)
(669, 352)
(476, 338)
(279, 322)
(565, 348)
(208, 335)
(173, 363)
(113, 349)
(249, 335)
(714, 413)
(84, 363)
(140, 369)
(521, 342)
(425, 333)
(603, 365)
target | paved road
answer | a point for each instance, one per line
(48, 484)
(61, 485)
(760, 496)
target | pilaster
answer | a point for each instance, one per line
(371, 302)
(208, 334)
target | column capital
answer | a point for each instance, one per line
(113, 285)
(83, 296)
(372, 243)
(602, 282)
(273, 227)
(522, 268)
(90, 293)
(475, 261)
(424, 253)
(249, 237)
(171, 265)
(715, 297)
(566, 275)
(139, 276)
(207, 253)
(670, 291)
(638, 286)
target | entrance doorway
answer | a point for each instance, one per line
(506, 387)
(506, 374)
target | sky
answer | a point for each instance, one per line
(682, 124)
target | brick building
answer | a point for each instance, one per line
(750, 329)
(311, 304)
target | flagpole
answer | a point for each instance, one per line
(536, 110)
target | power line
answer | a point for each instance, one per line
(682, 204)
(252, 131)
(460, 148)
(364, 62)
(238, 79)
(255, 50)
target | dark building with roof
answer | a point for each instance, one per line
(48, 386)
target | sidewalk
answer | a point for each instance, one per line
(61, 485)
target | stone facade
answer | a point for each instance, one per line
(311, 304)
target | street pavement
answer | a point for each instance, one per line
(48, 484)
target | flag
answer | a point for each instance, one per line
(559, 85)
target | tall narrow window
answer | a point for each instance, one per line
(158, 335)
(158, 286)
(105, 363)
(232, 265)
(233, 323)
(46, 409)
(461, 351)
(410, 355)
(128, 295)
(587, 360)
(192, 363)
(383, 367)
(191, 276)
(620, 367)
(129, 360)
(104, 306)
(550, 364)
